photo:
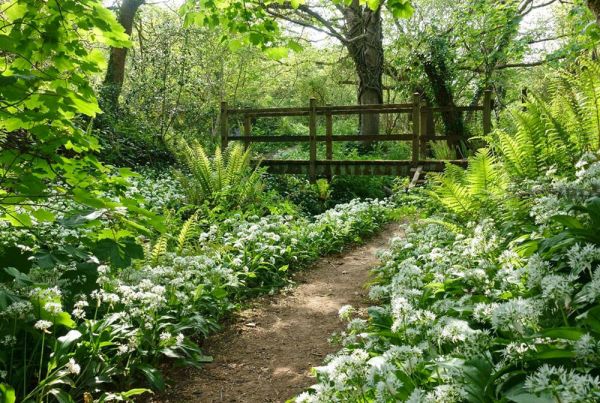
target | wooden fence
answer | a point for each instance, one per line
(419, 137)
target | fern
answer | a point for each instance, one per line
(464, 192)
(550, 133)
(226, 178)
(187, 230)
(554, 132)
(159, 250)
(481, 175)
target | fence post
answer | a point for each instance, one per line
(247, 129)
(223, 126)
(312, 125)
(487, 111)
(416, 117)
(424, 129)
(328, 140)
(524, 99)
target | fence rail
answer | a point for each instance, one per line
(420, 135)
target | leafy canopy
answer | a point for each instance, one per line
(249, 22)
(48, 56)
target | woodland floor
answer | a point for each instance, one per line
(266, 351)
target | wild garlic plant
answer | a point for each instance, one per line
(482, 312)
(81, 328)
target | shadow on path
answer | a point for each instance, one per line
(266, 353)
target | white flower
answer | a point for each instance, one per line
(9, 340)
(566, 385)
(586, 347)
(559, 288)
(453, 330)
(582, 257)
(516, 315)
(165, 336)
(73, 367)
(43, 325)
(53, 308)
(306, 397)
(346, 312)
(122, 349)
(179, 339)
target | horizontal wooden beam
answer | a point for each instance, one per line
(346, 109)
(322, 110)
(368, 110)
(349, 167)
(339, 137)
(452, 108)
(272, 139)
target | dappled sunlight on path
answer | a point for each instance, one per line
(266, 353)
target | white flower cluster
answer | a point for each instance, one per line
(455, 300)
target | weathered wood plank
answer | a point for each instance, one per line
(339, 137)
(321, 109)
(415, 177)
(312, 127)
(487, 112)
(350, 167)
(453, 108)
(223, 125)
(416, 121)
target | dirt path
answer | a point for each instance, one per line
(267, 352)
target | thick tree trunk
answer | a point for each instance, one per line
(365, 44)
(115, 74)
(439, 79)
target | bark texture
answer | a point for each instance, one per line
(364, 41)
(115, 74)
(594, 5)
(439, 77)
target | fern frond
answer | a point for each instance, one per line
(187, 230)
(159, 250)
(481, 173)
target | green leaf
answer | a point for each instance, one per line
(7, 43)
(152, 375)
(518, 394)
(61, 396)
(592, 318)
(87, 107)
(7, 394)
(295, 46)
(134, 392)
(554, 354)
(219, 293)
(373, 4)
(43, 215)
(401, 8)
(19, 219)
(567, 221)
(277, 53)
(66, 341)
(235, 45)
(119, 253)
(568, 333)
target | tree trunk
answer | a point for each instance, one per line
(594, 5)
(439, 78)
(115, 74)
(364, 36)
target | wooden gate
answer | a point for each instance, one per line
(313, 167)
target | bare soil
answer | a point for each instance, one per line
(265, 354)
